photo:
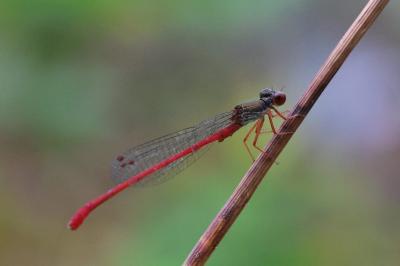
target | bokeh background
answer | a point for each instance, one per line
(81, 81)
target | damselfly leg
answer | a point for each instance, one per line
(257, 129)
(253, 127)
(260, 123)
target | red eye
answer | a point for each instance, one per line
(279, 98)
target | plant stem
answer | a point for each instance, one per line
(243, 192)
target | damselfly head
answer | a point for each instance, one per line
(265, 93)
(278, 97)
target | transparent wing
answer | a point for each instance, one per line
(142, 157)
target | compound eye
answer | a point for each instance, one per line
(279, 98)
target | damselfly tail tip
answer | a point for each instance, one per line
(77, 219)
(73, 224)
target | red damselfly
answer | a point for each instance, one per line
(172, 153)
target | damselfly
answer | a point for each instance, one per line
(172, 153)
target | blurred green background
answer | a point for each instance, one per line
(81, 81)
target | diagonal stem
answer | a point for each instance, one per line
(243, 192)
